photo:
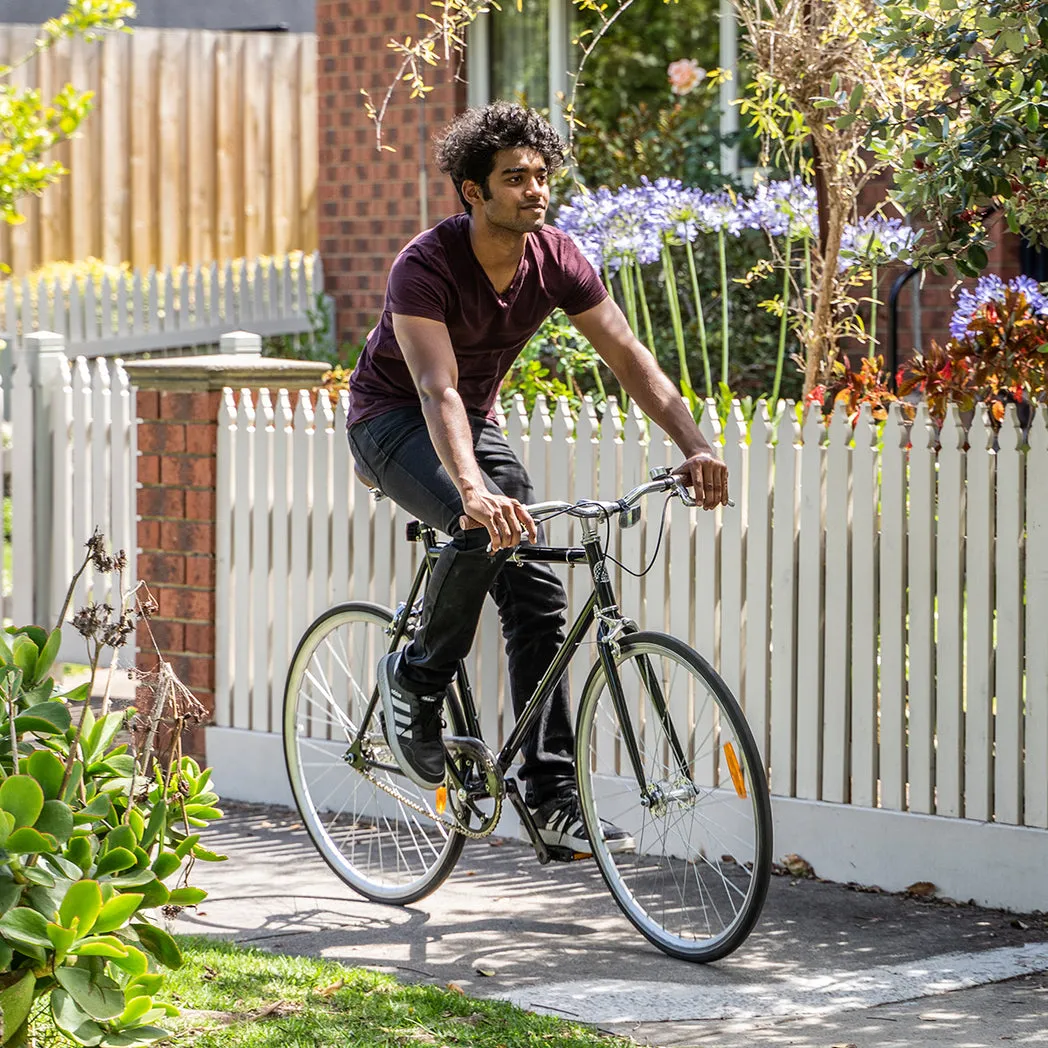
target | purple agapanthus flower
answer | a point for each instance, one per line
(782, 207)
(876, 241)
(991, 288)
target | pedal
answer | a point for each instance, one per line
(559, 854)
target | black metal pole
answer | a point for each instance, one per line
(893, 321)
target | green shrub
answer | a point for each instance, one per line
(95, 832)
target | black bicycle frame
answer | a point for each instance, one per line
(601, 604)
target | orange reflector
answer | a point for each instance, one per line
(735, 769)
(442, 799)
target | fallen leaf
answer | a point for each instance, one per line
(842, 1046)
(327, 991)
(1021, 925)
(276, 1010)
(455, 988)
(485, 971)
(496, 842)
(797, 866)
(210, 973)
(921, 889)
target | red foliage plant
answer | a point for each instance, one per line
(1002, 359)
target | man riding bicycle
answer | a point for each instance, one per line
(462, 301)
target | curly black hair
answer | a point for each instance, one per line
(466, 150)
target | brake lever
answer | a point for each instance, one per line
(686, 497)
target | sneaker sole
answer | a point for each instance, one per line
(391, 736)
(581, 844)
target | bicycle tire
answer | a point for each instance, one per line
(693, 888)
(375, 843)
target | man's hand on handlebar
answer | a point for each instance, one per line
(506, 519)
(707, 476)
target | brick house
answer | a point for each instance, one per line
(371, 203)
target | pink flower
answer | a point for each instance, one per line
(685, 75)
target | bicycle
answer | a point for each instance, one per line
(662, 749)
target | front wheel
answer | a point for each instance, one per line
(695, 880)
(371, 824)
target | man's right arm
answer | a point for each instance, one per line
(430, 358)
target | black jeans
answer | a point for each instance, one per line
(395, 453)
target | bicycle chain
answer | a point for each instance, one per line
(451, 824)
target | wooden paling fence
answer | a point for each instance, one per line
(876, 601)
(202, 145)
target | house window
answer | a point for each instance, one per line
(529, 55)
(524, 55)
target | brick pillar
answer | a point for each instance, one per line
(177, 403)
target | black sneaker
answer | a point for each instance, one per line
(560, 825)
(415, 721)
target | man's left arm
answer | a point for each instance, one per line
(641, 377)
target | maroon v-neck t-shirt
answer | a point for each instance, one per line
(437, 276)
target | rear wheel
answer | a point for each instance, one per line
(373, 826)
(696, 880)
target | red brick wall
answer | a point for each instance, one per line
(177, 440)
(369, 201)
(938, 293)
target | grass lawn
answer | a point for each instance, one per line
(232, 997)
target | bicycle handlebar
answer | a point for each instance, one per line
(662, 480)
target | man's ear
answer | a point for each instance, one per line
(473, 192)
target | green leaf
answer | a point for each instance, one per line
(37, 634)
(135, 1037)
(45, 718)
(977, 257)
(61, 939)
(28, 841)
(154, 825)
(16, 1001)
(186, 845)
(855, 99)
(22, 797)
(121, 837)
(98, 995)
(83, 900)
(25, 927)
(79, 851)
(49, 653)
(117, 912)
(73, 1020)
(1043, 347)
(115, 861)
(135, 963)
(134, 879)
(38, 875)
(25, 654)
(187, 896)
(101, 807)
(205, 855)
(9, 895)
(165, 864)
(7, 826)
(100, 946)
(81, 693)
(156, 894)
(57, 820)
(158, 943)
(48, 770)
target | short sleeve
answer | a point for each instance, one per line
(583, 287)
(417, 287)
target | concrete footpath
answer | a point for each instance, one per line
(827, 966)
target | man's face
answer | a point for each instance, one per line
(517, 191)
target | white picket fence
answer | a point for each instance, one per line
(162, 312)
(878, 608)
(72, 469)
